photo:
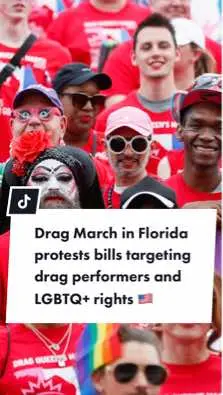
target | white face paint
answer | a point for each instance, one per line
(57, 183)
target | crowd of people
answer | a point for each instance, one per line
(110, 104)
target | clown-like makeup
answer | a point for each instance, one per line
(57, 183)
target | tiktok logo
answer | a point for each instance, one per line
(23, 200)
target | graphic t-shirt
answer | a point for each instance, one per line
(31, 368)
(40, 63)
(203, 378)
(186, 194)
(97, 25)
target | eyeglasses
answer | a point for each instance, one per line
(138, 144)
(126, 372)
(80, 100)
(44, 114)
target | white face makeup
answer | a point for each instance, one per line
(57, 183)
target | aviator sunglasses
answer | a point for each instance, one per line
(80, 100)
(138, 144)
(126, 372)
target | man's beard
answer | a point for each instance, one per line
(57, 200)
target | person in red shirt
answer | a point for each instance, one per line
(44, 11)
(128, 138)
(199, 115)
(187, 353)
(39, 64)
(125, 78)
(192, 367)
(99, 21)
(79, 90)
(155, 53)
(39, 359)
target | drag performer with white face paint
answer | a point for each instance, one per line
(57, 183)
(66, 176)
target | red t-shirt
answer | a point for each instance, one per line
(31, 368)
(125, 77)
(112, 198)
(94, 144)
(186, 194)
(104, 171)
(40, 63)
(203, 378)
(97, 25)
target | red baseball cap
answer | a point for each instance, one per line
(206, 88)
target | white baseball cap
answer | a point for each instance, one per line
(188, 31)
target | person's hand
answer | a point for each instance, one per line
(215, 204)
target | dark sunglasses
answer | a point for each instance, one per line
(80, 100)
(125, 372)
(138, 144)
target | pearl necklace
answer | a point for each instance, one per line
(53, 347)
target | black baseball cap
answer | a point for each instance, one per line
(148, 190)
(78, 74)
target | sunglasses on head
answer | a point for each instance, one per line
(208, 80)
(126, 372)
(138, 144)
(81, 99)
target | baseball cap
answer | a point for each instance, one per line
(49, 93)
(206, 88)
(77, 74)
(147, 190)
(131, 117)
(187, 31)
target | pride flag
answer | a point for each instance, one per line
(98, 345)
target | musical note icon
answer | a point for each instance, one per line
(23, 203)
(23, 200)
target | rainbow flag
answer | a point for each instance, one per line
(98, 345)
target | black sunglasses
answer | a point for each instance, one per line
(125, 372)
(80, 100)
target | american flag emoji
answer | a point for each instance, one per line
(145, 298)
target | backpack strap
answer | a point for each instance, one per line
(16, 59)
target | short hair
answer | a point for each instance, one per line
(127, 334)
(155, 20)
